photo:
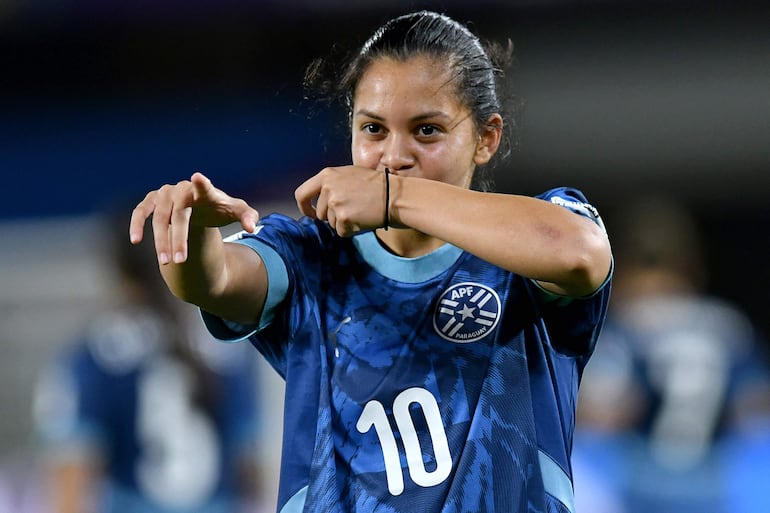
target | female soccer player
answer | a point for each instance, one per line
(431, 336)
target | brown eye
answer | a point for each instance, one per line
(427, 130)
(371, 128)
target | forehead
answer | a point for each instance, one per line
(419, 82)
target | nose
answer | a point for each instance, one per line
(397, 154)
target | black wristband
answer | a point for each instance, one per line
(386, 223)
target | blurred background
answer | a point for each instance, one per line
(666, 102)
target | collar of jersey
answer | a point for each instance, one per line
(408, 270)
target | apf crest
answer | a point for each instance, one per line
(466, 312)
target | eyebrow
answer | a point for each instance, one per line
(419, 117)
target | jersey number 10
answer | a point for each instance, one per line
(374, 415)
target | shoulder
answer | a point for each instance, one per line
(304, 226)
(278, 230)
(574, 200)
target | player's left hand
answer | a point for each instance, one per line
(350, 198)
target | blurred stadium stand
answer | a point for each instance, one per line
(621, 95)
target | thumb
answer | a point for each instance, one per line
(249, 219)
(202, 186)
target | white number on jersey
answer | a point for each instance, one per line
(374, 415)
(180, 456)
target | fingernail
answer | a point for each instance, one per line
(178, 257)
(163, 258)
(134, 237)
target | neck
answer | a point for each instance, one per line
(408, 243)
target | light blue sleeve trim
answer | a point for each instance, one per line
(556, 482)
(226, 331)
(297, 502)
(278, 286)
(548, 297)
(277, 278)
(552, 297)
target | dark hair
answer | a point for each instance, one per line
(478, 67)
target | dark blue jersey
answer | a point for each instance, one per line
(438, 383)
(123, 396)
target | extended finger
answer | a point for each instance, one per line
(161, 221)
(237, 209)
(139, 215)
(180, 228)
(248, 216)
(202, 186)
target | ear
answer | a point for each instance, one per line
(489, 139)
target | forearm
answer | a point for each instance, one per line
(224, 279)
(525, 235)
(202, 274)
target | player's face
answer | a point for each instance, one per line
(407, 117)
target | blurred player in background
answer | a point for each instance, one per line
(676, 373)
(144, 414)
(431, 335)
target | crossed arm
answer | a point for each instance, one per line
(566, 253)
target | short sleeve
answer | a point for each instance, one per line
(575, 201)
(278, 284)
(575, 323)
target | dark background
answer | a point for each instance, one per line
(103, 101)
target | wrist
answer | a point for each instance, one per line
(394, 196)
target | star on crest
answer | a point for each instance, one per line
(466, 312)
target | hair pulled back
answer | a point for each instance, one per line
(476, 68)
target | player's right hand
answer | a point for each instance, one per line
(175, 209)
